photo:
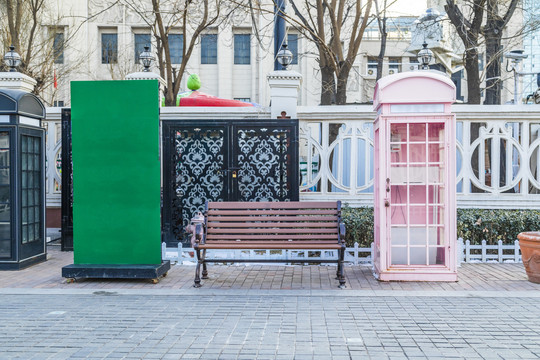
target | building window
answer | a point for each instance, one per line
(371, 66)
(209, 49)
(141, 40)
(242, 49)
(413, 63)
(176, 47)
(243, 99)
(58, 48)
(58, 103)
(399, 28)
(394, 65)
(292, 45)
(109, 48)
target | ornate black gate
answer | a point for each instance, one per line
(225, 160)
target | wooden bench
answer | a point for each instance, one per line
(271, 226)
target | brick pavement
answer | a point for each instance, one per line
(472, 277)
(268, 312)
(96, 326)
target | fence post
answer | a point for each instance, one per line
(460, 251)
(180, 254)
(372, 247)
(516, 251)
(500, 251)
(355, 253)
(163, 251)
(484, 250)
(468, 251)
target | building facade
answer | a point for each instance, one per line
(102, 39)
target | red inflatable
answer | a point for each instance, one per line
(197, 98)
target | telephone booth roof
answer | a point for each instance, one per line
(21, 103)
(414, 87)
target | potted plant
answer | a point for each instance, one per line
(529, 242)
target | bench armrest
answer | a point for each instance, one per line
(342, 232)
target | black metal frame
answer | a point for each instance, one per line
(67, 183)
(230, 128)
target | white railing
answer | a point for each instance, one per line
(498, 160)
(356, 255)
(53, 156)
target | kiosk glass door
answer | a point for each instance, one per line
(416, 177)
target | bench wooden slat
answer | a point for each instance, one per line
(314, 231)
(271, 246)
(333, 218)
(274, 205)
(275, 237)
(241, 212)
(246, 224)
(269, 226)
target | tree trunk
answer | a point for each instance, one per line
(382, 51)
(341, 89)
(473, 77)
(328, 85)
(493, 70)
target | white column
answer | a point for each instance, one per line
(149, 75)
(284, 86)
(17, 81)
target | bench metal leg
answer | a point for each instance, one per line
(341, 269)
(204, 269)
(200, 260)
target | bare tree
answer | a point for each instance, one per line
(493, 32)
(480, 22)
(31, 27)
(186, 17)
(468, 27)
(380, 14)
(336, 28)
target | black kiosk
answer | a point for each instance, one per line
(22, 180)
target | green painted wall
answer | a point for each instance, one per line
(116, 172)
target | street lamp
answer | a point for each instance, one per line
(517, 56)
(424, 56)
(12, 59)
(146, 59)
(284, 56)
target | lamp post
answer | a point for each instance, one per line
(284, 56)
(12, 59)
(517, 56)
(424, 56)
(146, 59)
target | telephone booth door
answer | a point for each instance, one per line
(415, 180)
(415, 186)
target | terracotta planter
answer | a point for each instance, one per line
(529, 242)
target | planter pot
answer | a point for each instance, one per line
(529, 242)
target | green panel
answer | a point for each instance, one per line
(116, 172)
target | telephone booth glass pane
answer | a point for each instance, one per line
(417, 164)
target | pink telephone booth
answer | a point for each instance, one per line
(415, 175)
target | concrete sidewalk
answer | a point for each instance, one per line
(491, 277)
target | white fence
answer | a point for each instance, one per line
(354, 255)
(497, 150)
(498, 158)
